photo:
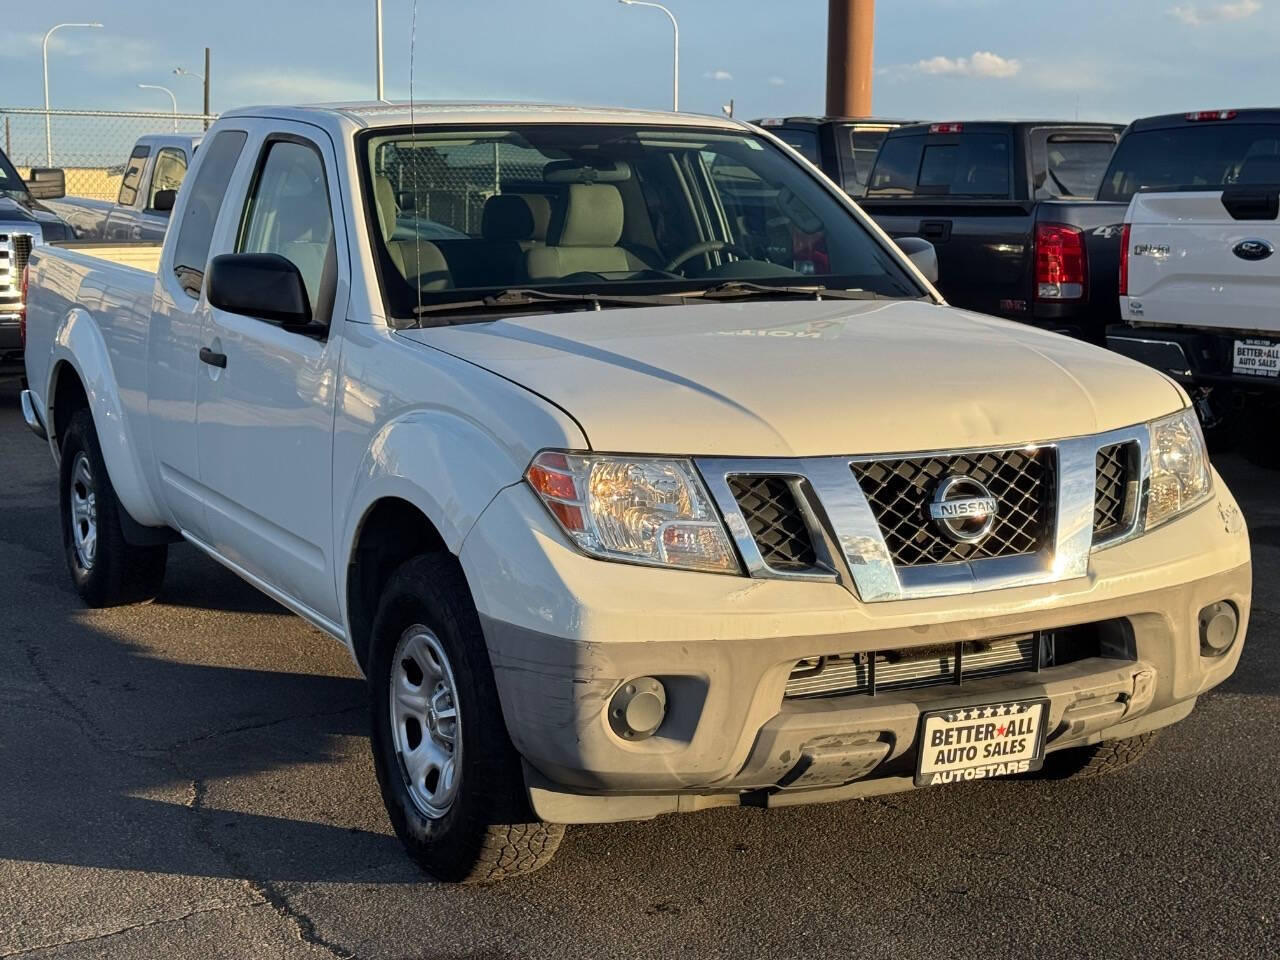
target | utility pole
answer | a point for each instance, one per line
(206, 88)
(850, 57)
(377, 43)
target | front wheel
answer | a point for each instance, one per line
(450, 778)
(107, 570)
(1078, 763)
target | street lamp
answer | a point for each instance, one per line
(172, 99)
(675, 94)
(48, 135)
(203, 78)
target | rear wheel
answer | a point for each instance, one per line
(107, 570)
(450, 778)
(1078, 763)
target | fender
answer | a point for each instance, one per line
(78, 343)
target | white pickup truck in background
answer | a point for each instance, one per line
(1200, 282)
(637, 468)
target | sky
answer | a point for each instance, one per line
(935, 59)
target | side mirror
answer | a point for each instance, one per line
(164, 200)
(47, 183)
(262, 285)
(922, 254)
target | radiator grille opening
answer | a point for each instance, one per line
(1112, 504)
(775, 521)
(900, 491)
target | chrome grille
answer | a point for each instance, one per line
(15, 249)
(775, 521)
(917, 667)
(1112, 505)
(899, 492)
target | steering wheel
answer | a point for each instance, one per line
(707, 246)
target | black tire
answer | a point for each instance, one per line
(1080, 763)
(489, 832)
(118, 572)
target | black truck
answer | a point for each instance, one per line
(1010, 208)
(844, 148)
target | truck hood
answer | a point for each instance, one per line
(18, 214)
(805, 378)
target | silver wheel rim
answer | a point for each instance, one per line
(425, 721)
(83, 497)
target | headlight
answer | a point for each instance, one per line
(638, 510)
(1180, 475)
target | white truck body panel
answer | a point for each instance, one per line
(1183, 271)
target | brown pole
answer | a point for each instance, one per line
(850, 48)
(206, 87)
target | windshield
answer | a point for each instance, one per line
(10, 182)
(460, 214)
(1205, 155)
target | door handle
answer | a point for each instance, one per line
(213, 359)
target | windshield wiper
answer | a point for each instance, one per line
(736, 289)
(508, 299)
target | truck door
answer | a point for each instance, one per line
(120, 219)
(174, 340)
(167, 173)
(266, 394)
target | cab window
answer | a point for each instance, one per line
(288, 213)
(171, 168)
(132, 176)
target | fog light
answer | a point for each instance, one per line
(636, 711)
(1218, 625)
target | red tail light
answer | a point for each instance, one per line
(1202, 115)
(1124, 260)
(946, 128)
(22, 310)
(1060, 262)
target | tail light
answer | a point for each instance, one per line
(1124, 260)
(1060, 262)
(22, 308)
(1200, 116)
(946, 128)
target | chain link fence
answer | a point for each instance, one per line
(91, 146)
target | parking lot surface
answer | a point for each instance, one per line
(192, 778)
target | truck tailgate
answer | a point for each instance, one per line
(1204, 259)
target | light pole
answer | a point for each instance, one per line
(377, 43)
(172, 99)
(675, 93)
(48, 134)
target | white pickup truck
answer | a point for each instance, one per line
(639, 471)
(1201, 295)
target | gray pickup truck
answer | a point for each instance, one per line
(152, 175)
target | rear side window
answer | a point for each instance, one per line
(171, 167)
(132, 176)
(864, 145)
(1209, 155)
(974, 165)
(191, 250)
(897, 167)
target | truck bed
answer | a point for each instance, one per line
(143, 257)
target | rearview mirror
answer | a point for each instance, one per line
(922, 253)
(47, 183)
(262, 285)
(164, 200)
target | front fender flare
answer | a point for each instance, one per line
(78, 345)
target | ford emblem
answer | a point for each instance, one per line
(1253, 250)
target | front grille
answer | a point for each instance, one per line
(15, 249)
(899, 493)
(915, 667)
(1112, 505)
(775, 521)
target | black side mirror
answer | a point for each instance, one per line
(262, 285)
(47, 183)
(164, 200)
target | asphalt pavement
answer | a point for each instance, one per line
(191, 778)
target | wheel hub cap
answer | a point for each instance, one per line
(425, 721)
(83, 496)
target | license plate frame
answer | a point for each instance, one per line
(990, 717)
(1256, 357)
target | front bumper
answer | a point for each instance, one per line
(565, 632)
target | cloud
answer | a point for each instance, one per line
(777, 82)
(296, 86)
(1196, 16)
(718, 75)
(981, 64)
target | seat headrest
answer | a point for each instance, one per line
(506, 217)
(540, 207)
(571, 171)
(384, 203)
(593, 216)
(1260, 168)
